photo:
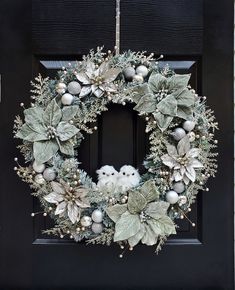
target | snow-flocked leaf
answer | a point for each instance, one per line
(136, 202)
(52, 115)
(156, 82)
(115, 212)
(44, 150)
(163, 121)
(146, 104)
(168, 106)
(66, 131)
(157, 209)
(67, 148)
(32, 132)
(150, 191)
(183, 146)
(69, 112)
(134, 240)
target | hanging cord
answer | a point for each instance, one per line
(117, 44)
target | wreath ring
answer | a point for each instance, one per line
(181, 135)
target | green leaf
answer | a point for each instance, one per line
(32, 132)
(185, 98)
(157, 209)
(66, 131)
(178, 82)
(52, 114)
(163, 121)
(183, 146)
(69, 112)
(139, 91)
(127, 226)
(146, 104)
(157, 82)
(168, 106)
(66, 148)
(44, 150)
(33, 115)
(115, 212)
(166, 225)
(149, 237)
(150, 191)
(134, 240)
(185, 113)
(136, 202)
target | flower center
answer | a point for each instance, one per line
(161, 94)
(51, 132)
(182, 160)
(143, 217)
(98, 80)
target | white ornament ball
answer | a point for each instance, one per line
(142, 70)
(86, 221)
(49, 174)
(39, 179)
(172, 197)
(129, 73)
(189, 125)
(178, 134)
(191, 136)
(39, 168)
(97, 228)
(179, 187)
(74, 88)
(97, 216)
(61, 88)
(67, 99)
(138, 78)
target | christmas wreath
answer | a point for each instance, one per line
(122, 207)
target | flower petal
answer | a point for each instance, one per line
(86, 90)
(61, 208)
(193, 152)
(195, 163)
(57, 187)
(83, 78)
(183, 146)
(53, 197)
(73, 212)
(168, 161)
(190, 173)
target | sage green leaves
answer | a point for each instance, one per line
(48, 131)
(144, 218)
(166, 98)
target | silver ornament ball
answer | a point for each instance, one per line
(39, 179)
(39, 168)
(86, 221)
(178, 187)
(129, 73)
(67, 99)
(74, 88)
(178, 134)
(138, 78)
(97, 228)
(172, 197)
(97, 216)
(49, 174)
(189, 125)
(142, 70)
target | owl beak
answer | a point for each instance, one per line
(128, 175)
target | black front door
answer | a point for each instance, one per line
(40, 37)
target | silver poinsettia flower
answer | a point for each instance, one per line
(182, 160)
(98, 80)
(69, 201)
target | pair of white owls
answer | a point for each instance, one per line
(111, 180)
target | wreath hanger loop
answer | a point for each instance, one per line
(117, 41)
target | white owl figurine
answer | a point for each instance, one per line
(107, 178)
(128, 177)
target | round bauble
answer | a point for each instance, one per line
(191, 136)
(129, 73)
(97, 228)
(97, 216)
(178, 187)
(74, 88)
(67, 99)
(188, 125)
(61, 88)
(39, 179)
(182, 199)
(39, 168)
(142, 70)
(49, 174)
(178, 134)
(138, 78)
(86, 221)
(172, 197)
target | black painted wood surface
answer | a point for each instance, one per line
(196, 31)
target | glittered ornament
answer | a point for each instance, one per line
(67, 99)
(188, 125)
(49, 174)
(39, 179)
(86, 221)
(129, 73)
(97, 216)
(191, 136)
(39, 168)
(142, 70)
(182, 199)
(97, 228)
(138, 78)
(172, 197)
(74, 88)
(61, 88)
(178, 187)
(178, 134)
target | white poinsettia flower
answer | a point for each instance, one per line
(69, 200)
(98, 80)
(182, 160)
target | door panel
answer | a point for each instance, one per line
(195, 37)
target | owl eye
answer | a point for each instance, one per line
(123, 173)
(112, 173)
(133, 173)
(103, 173)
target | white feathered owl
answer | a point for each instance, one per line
(128, 177)
(107, 178)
